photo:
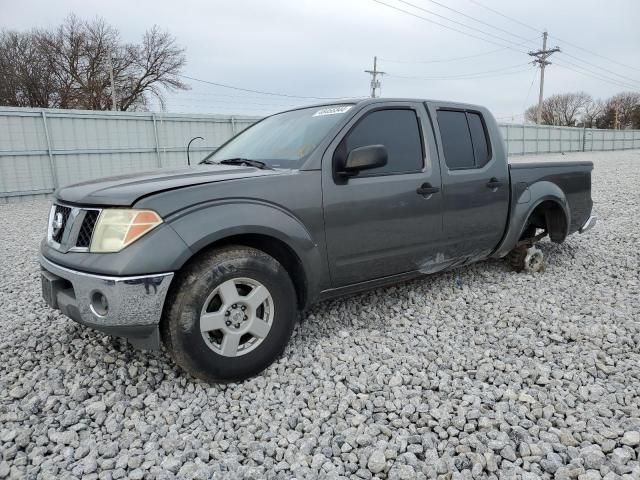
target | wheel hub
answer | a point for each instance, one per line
(237, 316)
(534, 261)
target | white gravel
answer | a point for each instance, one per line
(475, 373)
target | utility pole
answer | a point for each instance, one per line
(375, 83)
(541, 60)
(114, 105)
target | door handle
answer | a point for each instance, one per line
(426, 189)
(494, 183)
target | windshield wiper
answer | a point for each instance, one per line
(245, 161)
(239, 161)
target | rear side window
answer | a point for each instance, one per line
(479, 139)
(464, 139)
(456, 139)
(397, 130)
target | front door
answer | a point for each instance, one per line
(377, 223)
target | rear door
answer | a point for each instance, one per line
(377, 223)
(475, 181)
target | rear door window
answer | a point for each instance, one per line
(456, 139)
(464, 139)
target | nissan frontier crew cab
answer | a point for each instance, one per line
(216, 260)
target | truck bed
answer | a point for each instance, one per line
(573, 177)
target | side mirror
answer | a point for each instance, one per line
(365, 158)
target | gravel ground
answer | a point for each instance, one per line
(475, 373)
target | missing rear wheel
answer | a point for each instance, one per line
(526, 258)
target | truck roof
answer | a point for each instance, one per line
(368, 101)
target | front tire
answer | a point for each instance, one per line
(230, 314)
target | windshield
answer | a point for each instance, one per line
(284, 140)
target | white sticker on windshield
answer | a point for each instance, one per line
(332, 110)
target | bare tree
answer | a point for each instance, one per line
(591, 112)
(73, 67)
(157, 63)
(531, 114)
(563, 109)
(621, 111)
(26, 78)
(635, 118)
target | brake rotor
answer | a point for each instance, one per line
(534, 260)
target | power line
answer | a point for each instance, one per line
(476, 77)
(463, 75)
(611, 79)
(596, 54)
(218, 94)
(479, 21)
(564, 41)
(203, 97)
(189, 98)
(455, 21)
(601, 68)
(591, 75)
(200, 107)
(232, 87)
(510, 116)
(451, 59)
(446, 26)
(526, 99)
(538, 30)
(595, 75)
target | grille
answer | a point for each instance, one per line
(86, 231)
(64, 211)
(68, 220)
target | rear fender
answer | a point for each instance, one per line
(522, 208)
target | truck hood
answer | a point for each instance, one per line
(125, 190)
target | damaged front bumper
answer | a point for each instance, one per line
(129, 307)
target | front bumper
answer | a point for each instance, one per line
(129, 307)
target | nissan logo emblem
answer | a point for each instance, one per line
(57, 223)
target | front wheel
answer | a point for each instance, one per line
(230, 314)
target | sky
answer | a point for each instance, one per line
(313, 48)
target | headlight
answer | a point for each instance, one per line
(118, 227)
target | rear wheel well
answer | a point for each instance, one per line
(549, 216)
(273, 247)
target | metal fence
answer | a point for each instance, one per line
(534, 139)
(42, 149)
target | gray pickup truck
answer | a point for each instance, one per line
(217, 260)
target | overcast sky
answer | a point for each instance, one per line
(320, 48)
